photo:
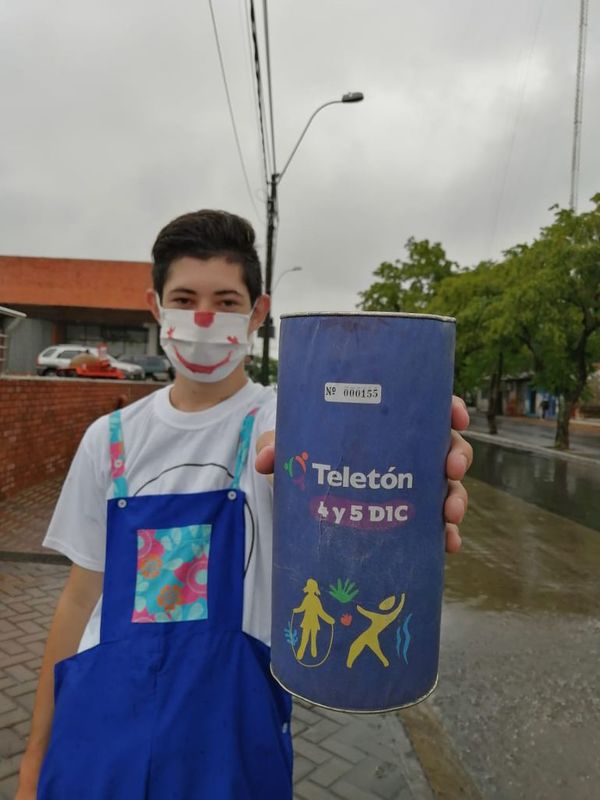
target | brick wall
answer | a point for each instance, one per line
(74, 282)
(42, 421)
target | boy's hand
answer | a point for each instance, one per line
(265, 453)
(460, 458)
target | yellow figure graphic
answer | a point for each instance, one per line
(312, 609)
(379, 622)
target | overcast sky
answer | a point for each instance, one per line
(114, 120)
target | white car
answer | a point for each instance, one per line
(59, 357)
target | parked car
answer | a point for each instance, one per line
(156, 367)
(58, 357)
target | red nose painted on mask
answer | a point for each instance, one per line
(204, 319)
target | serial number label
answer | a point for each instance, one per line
(353, 393)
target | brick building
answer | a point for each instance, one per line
(76, 301)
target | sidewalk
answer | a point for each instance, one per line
(337, 756)
(586, 426)
(536, 435)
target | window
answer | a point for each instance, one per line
(70, 353)
(118, 338)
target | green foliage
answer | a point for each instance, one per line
(472, 298)
(253, 369)
(552, 300)
(537, 310)
(408, 285)
(343, 592)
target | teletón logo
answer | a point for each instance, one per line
(295, 467)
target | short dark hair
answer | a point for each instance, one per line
(208, 234)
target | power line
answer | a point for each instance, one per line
(259, 93)
(583, 17)
(253, 90)
(270, 88)
(235, 132)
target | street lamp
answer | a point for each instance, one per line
(349, 97)
(285, 272)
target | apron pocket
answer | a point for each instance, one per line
(172, 569)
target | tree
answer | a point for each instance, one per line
(538, 309)
(552, 303)
(408, 285)
(253, 370)
(428, 282)
(482, 347)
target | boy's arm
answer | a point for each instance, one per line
(75, 605)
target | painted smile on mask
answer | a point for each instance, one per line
(204, 369)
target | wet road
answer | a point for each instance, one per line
(519, 692)
(570, 488)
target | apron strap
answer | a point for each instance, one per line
(243, 447)
(117, 455)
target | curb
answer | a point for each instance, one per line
(447, 777)
(44, 558)
(549, 452)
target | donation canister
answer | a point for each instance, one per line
(363, 431)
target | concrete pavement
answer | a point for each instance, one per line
(537, 435)
(352, 757)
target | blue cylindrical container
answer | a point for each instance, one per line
(363, 431)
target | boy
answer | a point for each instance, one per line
(167, 520)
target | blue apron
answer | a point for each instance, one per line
(176, 701)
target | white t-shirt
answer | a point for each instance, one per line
(171, 452)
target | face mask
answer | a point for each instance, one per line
(204, 345)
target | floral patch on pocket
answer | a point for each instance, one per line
(172, 573)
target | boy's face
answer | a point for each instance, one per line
(214, 284)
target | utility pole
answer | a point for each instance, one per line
(271, 226)
(583, 17)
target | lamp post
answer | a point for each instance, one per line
(349, 97)
(285, 272)
(583, 21)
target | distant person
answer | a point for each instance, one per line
(544, 405)
(155, 681)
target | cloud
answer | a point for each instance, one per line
(115, 120)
